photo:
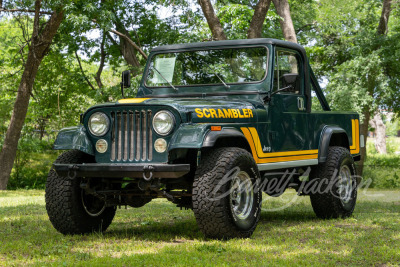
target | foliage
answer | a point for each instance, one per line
(32, 163)
(355, 60)
(10, 69)
(392, 127)
(358, 73)
(383, 170)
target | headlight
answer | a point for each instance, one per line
(99, 124)
(163, 122)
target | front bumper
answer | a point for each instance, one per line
(111, 170)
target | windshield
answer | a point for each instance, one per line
(222, 66)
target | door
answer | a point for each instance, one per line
(287, 135)
(289, 131)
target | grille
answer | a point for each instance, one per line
(131, 138)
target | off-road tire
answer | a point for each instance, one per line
(214, 215)
(325, 201)
(64, 200)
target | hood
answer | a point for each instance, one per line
(200, 110)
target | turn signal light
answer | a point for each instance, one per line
(215, 128)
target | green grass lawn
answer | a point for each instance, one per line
(161, 234)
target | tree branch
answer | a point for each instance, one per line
(302, 28)
(24, 11)
(132, 43)
(83, 73)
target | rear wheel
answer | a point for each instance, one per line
(337, 191)
(71, 210)
(226, 199)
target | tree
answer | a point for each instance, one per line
(38, 48)
(54, 87)
(354, 48)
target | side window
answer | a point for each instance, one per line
(286, 62)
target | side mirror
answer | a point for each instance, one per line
(126, 81)
(290, 81)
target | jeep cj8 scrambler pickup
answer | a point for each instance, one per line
(209, 124)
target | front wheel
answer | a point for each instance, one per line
(226, 198)
(71, 210)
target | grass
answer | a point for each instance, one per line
(161, 234)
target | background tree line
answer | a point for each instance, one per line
(59, 57)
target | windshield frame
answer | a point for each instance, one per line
(146, 73)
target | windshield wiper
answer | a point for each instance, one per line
(227, 86)
(170, 84)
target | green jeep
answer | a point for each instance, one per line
(209, 125)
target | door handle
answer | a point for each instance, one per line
(300, 103)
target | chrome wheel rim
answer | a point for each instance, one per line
(241, 196)
(345, 185)
(92, 205)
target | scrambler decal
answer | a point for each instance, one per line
(224, 113)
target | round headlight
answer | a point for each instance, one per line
(163, 122)
(99, 124)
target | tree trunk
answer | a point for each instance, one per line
(384, 20)
(283, 10)
(37, 50)
(212, 20)
(97, 77)
(380, 131)
(257, 22)
(363, 150)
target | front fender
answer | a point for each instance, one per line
(200, 135)
(74, 138)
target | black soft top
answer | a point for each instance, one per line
(244, 42)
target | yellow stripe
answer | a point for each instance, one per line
(259, 156)
(355, 145)
(353, 134)
(249, 138)
(292, 158)
(261, 153)
(132, 100)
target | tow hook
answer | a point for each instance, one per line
(72, 169)
(150, 169)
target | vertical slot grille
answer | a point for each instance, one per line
(131, 138)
